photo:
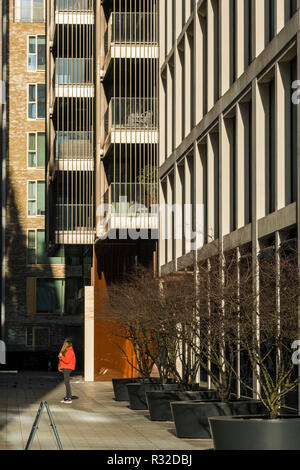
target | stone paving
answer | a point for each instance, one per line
(94, 421)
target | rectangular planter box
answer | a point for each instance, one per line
(191, 418)
(120, 389)
(159, 401)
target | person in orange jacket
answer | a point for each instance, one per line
(67, 361)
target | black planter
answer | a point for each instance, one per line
(191, 418)
(244, 433)
(137, 393)
(120, 390)
(159, 401)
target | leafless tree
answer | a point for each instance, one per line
(269, 326)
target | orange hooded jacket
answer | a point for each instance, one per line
(68, 361)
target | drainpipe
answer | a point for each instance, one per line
(3, 157)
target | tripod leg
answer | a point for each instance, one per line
(53, 426)
(35, 426)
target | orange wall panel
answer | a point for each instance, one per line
(109, 360)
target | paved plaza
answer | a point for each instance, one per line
(94, 421)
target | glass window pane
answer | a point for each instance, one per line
(31, 208)
(32, 63)
(41, 149)
(32, 111)
(31, 190)
(32, 159)
(26, 10)
(31, 93)
(50, 296)
(41, 100)
(31, 142)
(42, 256)
(41, 198)
(31, 256)
(31, 239)
(41, 62)
(32, 44)
(38, 10)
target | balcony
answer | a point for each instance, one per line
(74, 78)
(131, 121)
(131, 36)
(129, 206)
(74, 151)
(74, 224)
(74, 12)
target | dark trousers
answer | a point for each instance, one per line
(67, 373)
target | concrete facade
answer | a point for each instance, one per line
(234, 153)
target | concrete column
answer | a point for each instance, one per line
(212, 156)
(178, 191)
(224, 176)
(200, 189)
(169, 111)
(188, 211)
(198, 66)
(169, 221)
(162, 224)
(178, 98)
(240, 37)
(89, 333)
(261, 148)
(280, 14)
(178, 14)
(282, 135)
(210, 55)
(162, 120)
(224, 46)
(242, 161)
(168, 24)
(187, 91)
(258, 27)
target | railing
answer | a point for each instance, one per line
(131, 198)
(74, 216)
(74, 5)
(131, 113)
(70, 144)
(137, 28)
(73, 71)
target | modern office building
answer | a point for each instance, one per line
(42, 294)
(227, 75)
(102, 150)
(229, 129)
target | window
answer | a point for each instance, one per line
(36, 53)
(36, 101)
(36, 198)
(36, 149)
(50, 295)
(38, 336)
(29, 11)
(36, 249)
